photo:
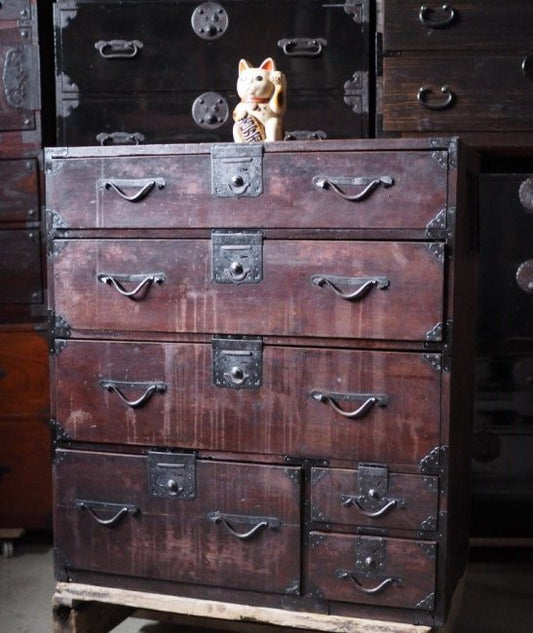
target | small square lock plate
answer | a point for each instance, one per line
(237, 257)
(172, 475)
(237, 363)
(236, 170)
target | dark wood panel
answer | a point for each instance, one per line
(172, 538)
(281, 417)
(468, 24)
(412, 287)
(19, 192)
(490, 92)
(408, 502)
(78, 190)
(407, 568)
(20, 263)
(166, 39)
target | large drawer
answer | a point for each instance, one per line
(397, 190)
(173, 517)
(365, 405)
(19, 190)
(441, 91)
(369, 290)
(463, 24)
(158, 46)
(373, 570)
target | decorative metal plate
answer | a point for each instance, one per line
(237, 363)
(210, 110)
(172, 475)
(209, 20)
(237, 257)
(236, 170)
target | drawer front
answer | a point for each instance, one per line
(20, 266)
(505, 258)
(19, 80)
(111, 47)
(494, 87)
(404, 190)
(371, 570)
(19, 193)
(155, 118)
(377, 290)
(319, 402)
(227, 516)
(464, 24)
(24, 382)
(373, 496)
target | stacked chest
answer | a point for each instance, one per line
(253, 370)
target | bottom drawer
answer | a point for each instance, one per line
(169, 516)
(373, 570)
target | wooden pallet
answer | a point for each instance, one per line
(79, 608)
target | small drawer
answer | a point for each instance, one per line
(173, 517)
(365, 405)
(352, 289)
(307, 189)
(371, 570)
(373, 496)
(19, 190)
(20, 264)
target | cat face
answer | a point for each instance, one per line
(254, 82)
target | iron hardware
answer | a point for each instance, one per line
(364, 285)
(118, 49)
(18, 78)
(525, 193)
(143, 281)
(120, 138)
(302, 46)
(372, 500)
(116, 386)
(358, 9)
(144, 187)
(423, 97)
(237, 170)
(209, 20)
(370, 185)
(527, 66)
(369, 401)
(305, 135)
(524, 276)
(122, 510)
(210, 110)
(385, 584)
(172, 475)
(229, 521)
(426, 13)
(347, 500)
(237, 363)
(237, 257)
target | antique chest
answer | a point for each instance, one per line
(160, 71)
(261, 371)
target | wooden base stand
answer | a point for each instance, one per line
(81, 608)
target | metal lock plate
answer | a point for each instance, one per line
(237, 257)
(19, 77)
(237, 170)
(237, 363)
(370, 554)
(209, 20)
(172, 475)
(373, 482)
(210, 110)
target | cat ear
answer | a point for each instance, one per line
(244, 65)
(268, 64)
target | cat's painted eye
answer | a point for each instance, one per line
(259, 78)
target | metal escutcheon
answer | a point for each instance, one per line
(524, 276)
(210, 110)
(209, 20)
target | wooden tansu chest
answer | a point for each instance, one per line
(262, 368)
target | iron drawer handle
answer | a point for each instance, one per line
(123, 511)
(348, 500)
(448, 19)
(150, 388)
(302, 46)
(145, 281)
(369, 184)
(259, 523)
(120, 138)
(422, 98)
(369, 401)
(118, 49)
(145, 186)
(365, 285)
(385, 584)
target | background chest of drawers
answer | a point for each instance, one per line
(166, 71)
(261, 361)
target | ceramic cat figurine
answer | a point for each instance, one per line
(258, 116)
